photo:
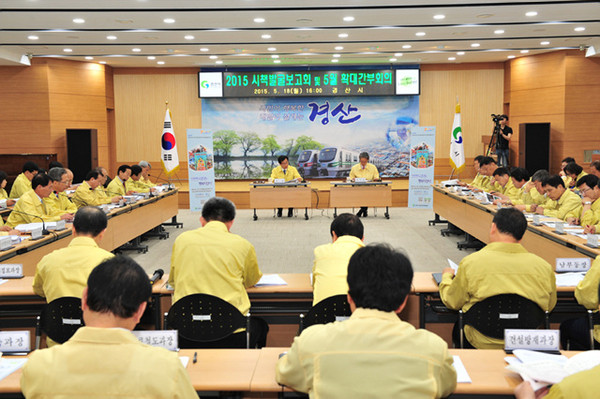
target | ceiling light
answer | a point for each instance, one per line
(111, 37)
(259, 20)
(451, 58)
(511, 56)
(79, 20)
(524, 51)
(89, 58)
(407, 46)
(266, 36)
(334, 60)
(397, 54)
(336, 56)
(348, 19)
(531, 13)
(203, 49)
(136, 50)
(499, 31)
(393, 59)
(579, 29)
(276, 61)
(32, 37)
(102, 62)
(219, 62)
(271, 49)
(439, 16)
(338, 48)
(188, 37)
(68, 50)
(160, 62)
(343, 35)
(213, 57)
(169, 21)
(460, 53)
(151, 57)
(545, 43)
(475, 44)
(274, 56)
(420, 34)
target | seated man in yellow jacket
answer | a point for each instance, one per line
(563, 203)
(58, 203)
(330, 267)
(533, 193)
(373, 353)
(288, 173)
(574, 172)
(595, 168)
(487, 169)
(22, 183)
(562, 174)
(30, 208)
(589, 215)
(364, 170)
(104, 359)
(118, 185)
(507, 190)
(134, 184)
(478, 176)
(87, 194)
(146, 167)
(519, 178)
(501, 267)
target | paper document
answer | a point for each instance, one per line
(184, 360)
(461, 372)
(270, 279)
(9, 366)
(3, 280)
(453, 265)
(570, 279)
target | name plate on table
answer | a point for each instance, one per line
(279, 181)
(5, 243)
(162, 338)
(360, 180)
(11, 270)
(15, 342)
(537, 220)
(60, 225)
(36, 233)
(592, 241)
(541, 340)
(559, 227)
(573, 264)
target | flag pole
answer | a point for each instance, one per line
(451, 174)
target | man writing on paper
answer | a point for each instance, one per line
(104, 359)
(564, 203)
(212, 260)
(478, 177)
(507, 191)
(288, 173)
(589, 214)
(330, 267)
(533, 192)
(373, 354)
(574, 172)
(30, 208)
(58, 203)
(501, 267)
(89, 192)
(519, 178)
(364, 170)
(118, 186)
(488, 167)
(22, 183)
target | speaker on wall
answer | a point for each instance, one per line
(534, 146)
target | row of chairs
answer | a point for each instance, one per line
(202, 319)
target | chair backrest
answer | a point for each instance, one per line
(506, 311)
(206, 318)
(326, 311)
(61, 318)
(593, 320)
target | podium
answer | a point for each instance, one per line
(355, 195)
(280, 195)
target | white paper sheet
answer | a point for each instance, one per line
(184, 360)
(9, 366)
(3, 280)
(453, 265)
(461, 372)
(570, 279)
(270, 279)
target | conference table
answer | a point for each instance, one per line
(359, 194)
(280, 195)
(124, 224)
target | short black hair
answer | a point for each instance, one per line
(90, 220)
(30, 166)
(136, 170)
(554, 181)
(218, 209)
(503, 116)
(41, 179)
(573, 169)
(520, 174)
(479, 158)
(92, 174)
(589, 180)
(56, 173)
(55, 164)
(3, 176)
(501, 172)
(540, 175)
(379, 277)
(364, 155)
(118, 286)
(568, 160)
(347, 224)
(123, 168)
(487, 161)
(282, 158)
(511, 221)
(595, 165)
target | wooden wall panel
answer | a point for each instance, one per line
(81, 78)
(539, 71)
(33, 79)
(140, 109)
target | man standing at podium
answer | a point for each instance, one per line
(288, 173)
(364, 170)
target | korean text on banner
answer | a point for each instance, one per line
(201, 167)
(422, 150)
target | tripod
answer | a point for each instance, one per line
(493, 139)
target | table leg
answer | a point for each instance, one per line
(437, 220)
(387, 212)
(255, 216)
(305, 213)
(421, 310)
(334, 213)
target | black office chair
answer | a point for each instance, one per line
(495, 314)
(59, 320)
(334, 308)
(206, 321)
(593, 320)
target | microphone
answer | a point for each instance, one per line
(158, 273)
(165, 180)
(44, 231)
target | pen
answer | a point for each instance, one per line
(195, 358)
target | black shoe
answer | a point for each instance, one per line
(279, 213)
(290, 213)
(359, 214)
(365, 213)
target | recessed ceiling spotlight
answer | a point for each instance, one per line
(460, 53)
(338, 48)
(151, 57)
(68, 50)
(336, 56)
(272, 49)
(79, 20)
(475, 44)
(524, 51)
(406, 46)
(266, 36)
(531, 13)
(511, 56)
(33, 37)
(213, 57)
(136, 50)
(499, 31)
(334, 60)
(203, 49)
(343, 35)
(89, 58)
(169, 21)
(579, 29)
(545, 43)
(160, 62)
(420, 34)
(219, 62)
(259, 20)
(111, 37)
(393, 59)
(348, 19)
(451, 58)
(276, 61)
(188, 37)
(439, 16)
(102, 62)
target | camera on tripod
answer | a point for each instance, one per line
(496, 118)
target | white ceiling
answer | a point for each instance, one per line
(302, 32)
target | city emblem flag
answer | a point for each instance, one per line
(168, 147)
(457, 150)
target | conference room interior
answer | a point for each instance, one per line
(122, 99)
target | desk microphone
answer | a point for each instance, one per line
(158, 273)
(44, 231)
(165, 180)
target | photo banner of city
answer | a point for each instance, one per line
(322, 136)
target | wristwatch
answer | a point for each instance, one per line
(587, 203)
